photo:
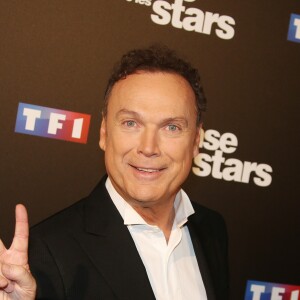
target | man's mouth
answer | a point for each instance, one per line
(147, 170)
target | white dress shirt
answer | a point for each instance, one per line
(171, 267)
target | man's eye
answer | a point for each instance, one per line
(130, 123)
(172, 127)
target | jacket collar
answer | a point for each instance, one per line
(110, 247)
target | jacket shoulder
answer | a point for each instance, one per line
(205, 215)
(61, 221)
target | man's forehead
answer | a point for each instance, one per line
(151, 84)
(166, 94)
(148, 76)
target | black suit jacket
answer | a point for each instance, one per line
(86, 252)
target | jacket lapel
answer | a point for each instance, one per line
(111, 248)
(202, 262)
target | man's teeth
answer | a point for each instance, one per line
(148, 170)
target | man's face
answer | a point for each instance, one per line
(150, 136)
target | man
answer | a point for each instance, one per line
(137, 235)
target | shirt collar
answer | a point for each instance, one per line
(182, 205)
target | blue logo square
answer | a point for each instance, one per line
(294, 28)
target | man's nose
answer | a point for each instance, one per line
(149, 143)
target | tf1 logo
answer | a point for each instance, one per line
(294, 28)
(52, 123)
(257, 290)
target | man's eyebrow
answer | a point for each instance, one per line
(128, 112)
(176, 119)
(180, 119)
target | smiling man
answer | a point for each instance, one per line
(138, 235)
(150, 138)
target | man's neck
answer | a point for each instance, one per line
(162, 217)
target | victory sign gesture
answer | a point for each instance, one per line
(16, 282)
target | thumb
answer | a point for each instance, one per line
(18, 275)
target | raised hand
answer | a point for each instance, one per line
(16, 282)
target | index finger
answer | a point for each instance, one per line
(20, 240)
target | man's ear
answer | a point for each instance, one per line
(102, 141)
(198, 138)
